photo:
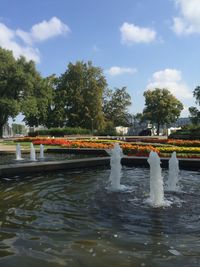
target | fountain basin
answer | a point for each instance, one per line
(18, 168)
(71, 218)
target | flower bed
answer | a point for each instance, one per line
(188, 143)
(171, 149)
(181, 155)
(128, 149)
(70, 144)
(137, 150)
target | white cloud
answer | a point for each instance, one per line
(131, 34)
(8, 41)
(170, 79)
(39, 32)
(185, 111)
(115, 70)
(188, 21)
(43, 31)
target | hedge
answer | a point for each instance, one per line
(60, 132)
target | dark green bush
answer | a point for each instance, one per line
(60, 132)
(108, 130)
(190, 132)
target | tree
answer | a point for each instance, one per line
(56, 109)
(194, 115)
(10, 87)
(22, 89)
(78, 97)
(37, 100)
(18, 128)
(161, 107)
(194, 112)
(115, 106)
(196, 94)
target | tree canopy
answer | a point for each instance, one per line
(37, 99)
(196, 94)
(161, 107)
(115, 106)
(10, 80)
(194, 111)
(78, 96)
(22, 89)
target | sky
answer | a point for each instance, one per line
(140, 44)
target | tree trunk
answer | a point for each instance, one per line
(1, 131)
(158, 128)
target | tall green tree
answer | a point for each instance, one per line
(37, 99)
(194, 115)
(78, 98)
(196, 94)
(22, 89)
(11, 85)
(194, 111)
(115, 106)
(161, 107)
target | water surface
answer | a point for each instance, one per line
(11, 158)
(72, 219)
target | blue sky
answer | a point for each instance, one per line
(139, 44)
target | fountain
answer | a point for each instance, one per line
(41, 151)
(172, 182)
(115, 163)
(72, 219)
(32, 153)
(156, 181)
(18, 152)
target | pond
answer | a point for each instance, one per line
(73, 219)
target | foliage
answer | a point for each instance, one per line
(194, 115)
(38, 98)
(194, 112)
(161, 107)
(78, 97)
(109, 129)
(137, 150)
(196, 94)
(128, 149)
(21, 89)
(175, 142)
(181, 155)
(115, 106)
(69, 143)
(10, 87)
(189, 133)
(61, 131)
(171, 149)
(18, 128)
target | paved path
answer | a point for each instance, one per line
(8, 148)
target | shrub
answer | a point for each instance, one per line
(108, 130)
(60, 132)
(189, 132)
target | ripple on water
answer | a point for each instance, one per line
(72, 218)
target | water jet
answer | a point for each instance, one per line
(173, 176)
(32, 153)
(115, 163)
(18, 152)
